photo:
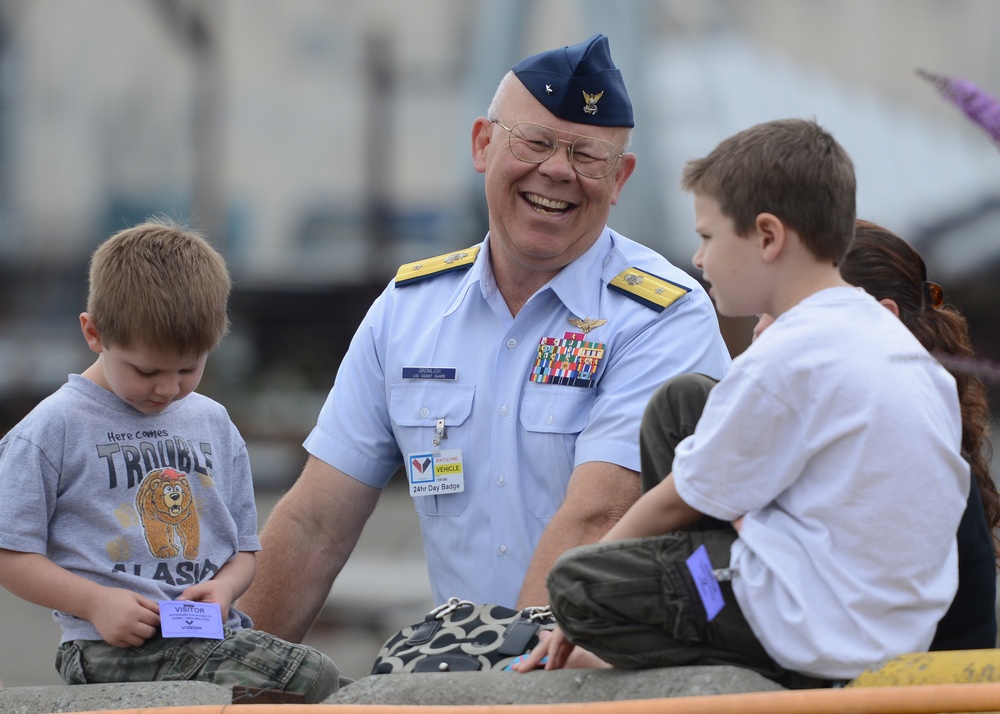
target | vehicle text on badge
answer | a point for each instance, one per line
(435, 473)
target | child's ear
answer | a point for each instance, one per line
(890, 305)
(772, 235)
(90, 333)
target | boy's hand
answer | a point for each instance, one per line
(124, 618)
(553, 645)
(215, 590)
(763, 322)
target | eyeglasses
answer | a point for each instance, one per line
(534, 143)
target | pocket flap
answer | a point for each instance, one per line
(423, 404)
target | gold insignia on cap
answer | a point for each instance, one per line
(439, 265)
(652, 291)
(586, 324)
(591, 100)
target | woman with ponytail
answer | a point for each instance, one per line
(888, 268)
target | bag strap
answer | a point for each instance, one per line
(442, 611)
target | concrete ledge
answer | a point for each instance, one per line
(95, 697)
(581, 685)
(433, 689)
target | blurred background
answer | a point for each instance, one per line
(321, 143)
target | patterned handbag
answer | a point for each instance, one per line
(461, 636)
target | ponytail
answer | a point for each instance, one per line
(887, 267)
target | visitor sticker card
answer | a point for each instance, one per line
(183, 618)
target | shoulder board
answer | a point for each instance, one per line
(438, 265)
(651, 290)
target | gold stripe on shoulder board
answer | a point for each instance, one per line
(651, 290)
(438, 265)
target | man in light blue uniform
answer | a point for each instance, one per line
(509, 378)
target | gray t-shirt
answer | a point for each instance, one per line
(149, 503)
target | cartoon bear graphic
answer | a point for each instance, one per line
(166, 509)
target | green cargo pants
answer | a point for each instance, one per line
(247, 658)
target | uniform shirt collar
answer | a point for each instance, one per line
(572, 285)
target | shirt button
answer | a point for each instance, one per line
(512, 343)
(425, 412)
(549, 419)
(503, 410)
(501, 480)
(502, 550)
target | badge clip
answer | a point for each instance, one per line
(440, 433)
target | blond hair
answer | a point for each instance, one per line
(161, 286)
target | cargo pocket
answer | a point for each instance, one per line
(69, 663)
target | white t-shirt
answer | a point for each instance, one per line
(838, 437)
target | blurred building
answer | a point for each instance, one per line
(319, 143)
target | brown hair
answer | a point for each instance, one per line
(791, 168)
(886, 266)
(161, 286)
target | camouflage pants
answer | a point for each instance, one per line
(248, 658)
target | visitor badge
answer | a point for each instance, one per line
(183, 618)
(704, 580)
(435, 473)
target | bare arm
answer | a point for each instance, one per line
(660, 510)
(305, 543)
(598, 495)
(123, 618)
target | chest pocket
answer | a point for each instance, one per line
(414, 409)
(552, 416)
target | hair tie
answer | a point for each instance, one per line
(933, 294)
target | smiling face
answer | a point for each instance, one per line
(542, 216)
(148, 380)
(731, 263)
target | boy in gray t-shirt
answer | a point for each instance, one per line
(126, 489)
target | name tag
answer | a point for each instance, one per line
(182, 618)
(444, 373)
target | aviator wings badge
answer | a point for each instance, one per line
(586, 324)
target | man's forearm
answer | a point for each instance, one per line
(292, 582)
(308, 538)
(560, 536)
(598, 495)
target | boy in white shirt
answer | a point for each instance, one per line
(832, 445)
